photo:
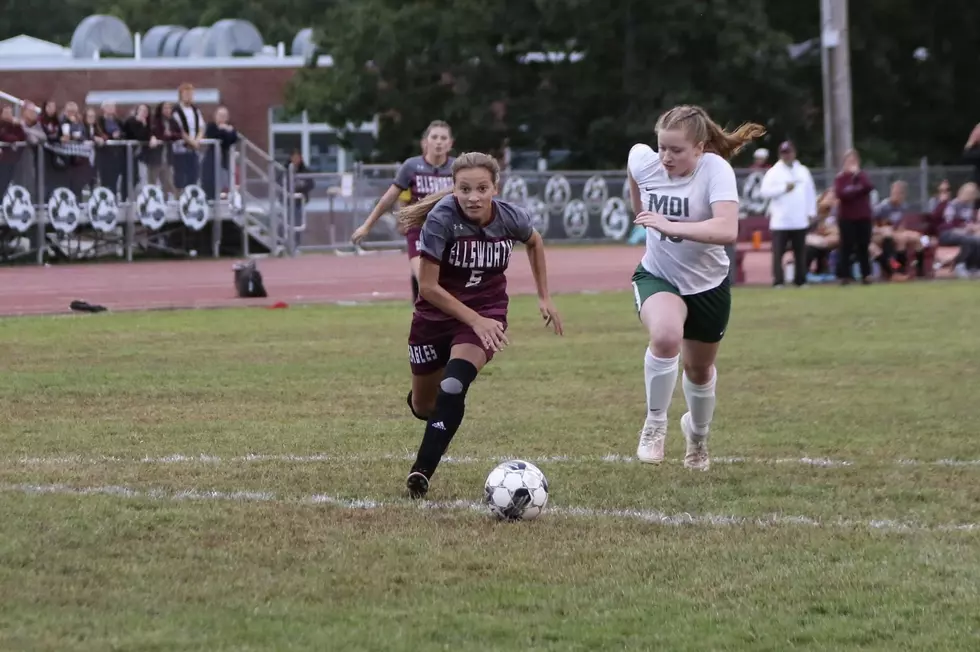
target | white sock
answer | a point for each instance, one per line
(700, 402)
(661, 378)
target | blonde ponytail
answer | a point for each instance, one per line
(701, 128)
(413, 216)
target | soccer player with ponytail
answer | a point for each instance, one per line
(460, 321)
(686, 196)
(421, 176)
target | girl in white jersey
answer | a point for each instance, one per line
(686, 197)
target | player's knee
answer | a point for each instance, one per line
(699, 374)
(666, 342)
(457, 378)
(421, 410)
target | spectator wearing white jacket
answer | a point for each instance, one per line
(788, 185)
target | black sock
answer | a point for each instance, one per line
(415, 289)
(446, 418)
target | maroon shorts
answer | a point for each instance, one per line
(413, 238)
(429, 343)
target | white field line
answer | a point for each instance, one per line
(646, 516)
(179, 458)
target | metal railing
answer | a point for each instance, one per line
(574, 206)
(77, 200)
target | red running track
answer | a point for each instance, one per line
(322, 278)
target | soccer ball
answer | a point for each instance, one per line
(516, 491)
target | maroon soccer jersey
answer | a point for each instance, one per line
(422, 178)
(472, 259)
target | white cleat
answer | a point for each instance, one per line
(652, 440)
(696, 455)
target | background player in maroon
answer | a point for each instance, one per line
(460, 318)
(421, 176)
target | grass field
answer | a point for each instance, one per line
(232, 480)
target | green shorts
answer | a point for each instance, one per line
(707, 312)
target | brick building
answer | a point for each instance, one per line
(252, 87)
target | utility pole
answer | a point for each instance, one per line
(835, 57)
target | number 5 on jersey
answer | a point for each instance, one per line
(476, 276)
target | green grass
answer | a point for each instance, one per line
(854, 375)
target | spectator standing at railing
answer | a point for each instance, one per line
(91, 126)
(187, 156)
(77, 154)
(50, 121)
(26, 174)
(853, 189)
(112, 159)
(164, 132)
(221, 130)
(12, 139)
(788, 185)
(137, 128)
(11, 131)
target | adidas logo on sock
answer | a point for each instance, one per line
(439, 425)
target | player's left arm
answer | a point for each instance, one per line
(534, 244)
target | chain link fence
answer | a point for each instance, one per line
(566, 206)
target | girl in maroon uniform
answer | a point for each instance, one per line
(460, 318)
(421, 175)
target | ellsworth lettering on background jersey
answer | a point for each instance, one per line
(422, 179)
(472, 259)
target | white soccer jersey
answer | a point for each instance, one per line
(692, 267)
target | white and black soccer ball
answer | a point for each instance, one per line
(516, 491)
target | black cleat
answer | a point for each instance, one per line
(418, 485)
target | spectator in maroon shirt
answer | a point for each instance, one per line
(853, 189)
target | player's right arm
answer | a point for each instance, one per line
(403, 179)
(640, 162)
(433, 243)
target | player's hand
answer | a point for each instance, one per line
(654, 221)
(550, 316)
(491, 334)
(359, 234)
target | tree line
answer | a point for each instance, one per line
(612, 67)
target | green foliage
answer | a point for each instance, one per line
(442, 60)
(53, 21)
(903, 108)
(411, 63)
